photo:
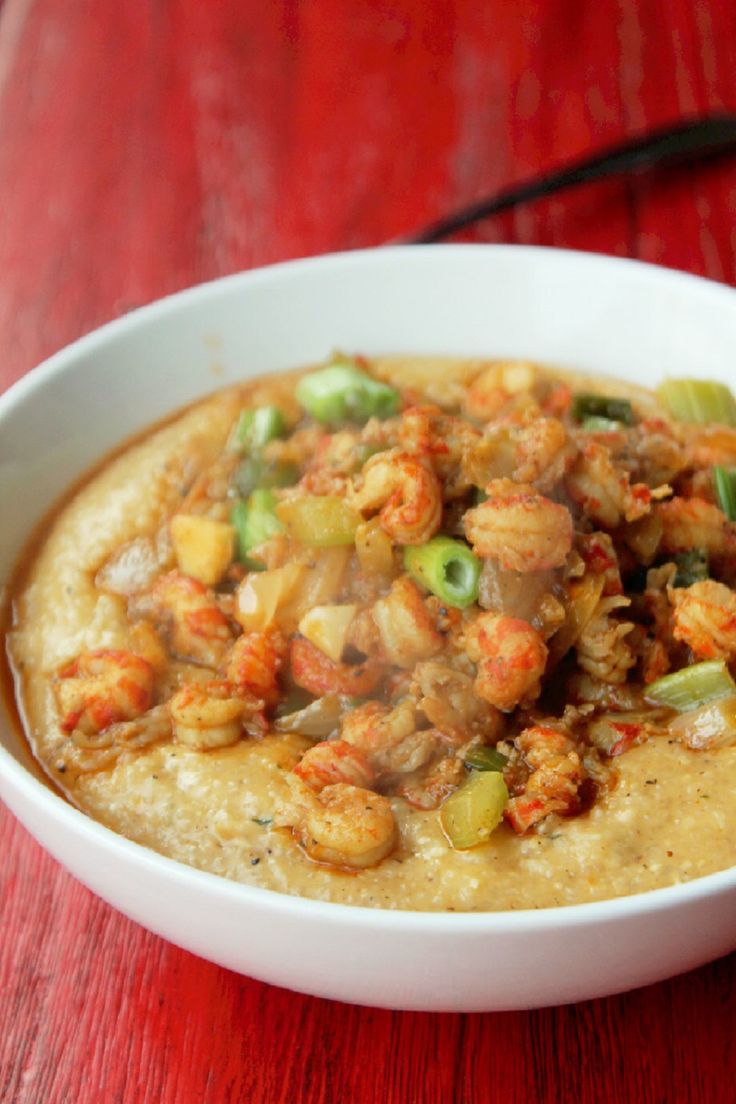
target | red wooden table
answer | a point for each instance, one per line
(149, 145)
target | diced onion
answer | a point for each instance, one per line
(319, 719)
(262, 594)
(713, 725)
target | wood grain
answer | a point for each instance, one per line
(150, 145)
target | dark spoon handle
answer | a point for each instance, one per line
(687, 141)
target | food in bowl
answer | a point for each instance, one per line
(402, 632)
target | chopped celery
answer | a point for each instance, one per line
(255, 523)
(470, 814)
(692, 567)
(594, 423)
(690, 400)
(342, 393)
(255, 428)
(446, 567)
(725, 481)
(692, 686)
(484, 758)
(602, 406)
(322, 521)
(254, 473)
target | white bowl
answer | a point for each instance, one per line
(594, 313)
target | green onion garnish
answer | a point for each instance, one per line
(725, 481)
(602, 406)
(254, 473)
(255, 522)
(446, 567)
(692, 567)
(484, 758)
(700, 401)
(692, 686)
(595, 424)
(342, 393)
(255, 428)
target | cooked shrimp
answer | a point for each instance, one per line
(552, 785)
(497, 386)
(658, 454)
(444, 439)
(542, 453)
(602, 647)
(604, 492)
(406, 627)
(407, 492)
(333, 761)
(448, 700)
(705, 619)
(600, 558)
(317, 673)
(254, 662)
(655, 660)
(197, 628)
(389, 737)
(511, 657)
(710, 445)
(694, 523)
(343, 825)
(438, 784)
(523, 530)
(150, 728)
(208, 715)
(100, 688)
(336, 458)
(536, 452)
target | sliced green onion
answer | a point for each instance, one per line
(594, 423)
(602, 406)
(446, 567)
(255, 428)
(692, 567)
(322, 521)
(470, 814)
(254, 473)
(725, 481)
(692, 686)
(484, 758)
(255, 522)
(342, 393)
(701, 401)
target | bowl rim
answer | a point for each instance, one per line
(58, 809)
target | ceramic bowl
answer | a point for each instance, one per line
(587, 312)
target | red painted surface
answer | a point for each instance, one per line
(148, 145)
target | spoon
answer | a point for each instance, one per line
(688, 142)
